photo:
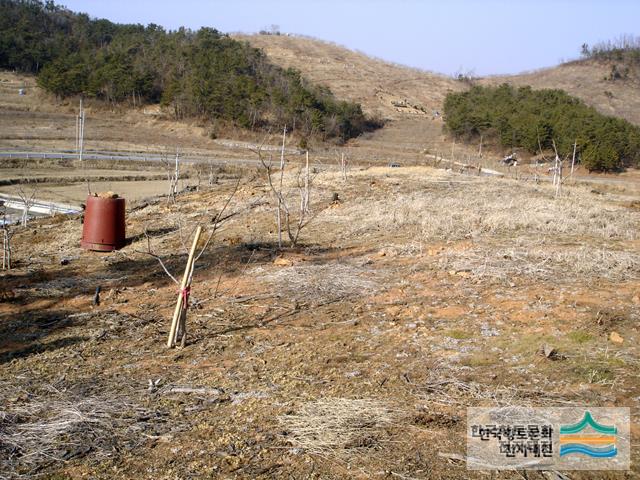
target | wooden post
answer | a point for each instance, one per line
(176, 174)
(6, 247)
(573, 159)
(81, 132)
(559, 184)
(306, 186)
(181, 306)
(279, 212)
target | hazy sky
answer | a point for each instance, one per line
(495, 36)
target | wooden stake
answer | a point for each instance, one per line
(573, 159)
(279, 212)
(306, 186)
(186, 283)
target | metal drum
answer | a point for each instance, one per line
(104, 228)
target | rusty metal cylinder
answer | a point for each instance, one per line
(104, 224)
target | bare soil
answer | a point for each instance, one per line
(353, 355)
(419, 293)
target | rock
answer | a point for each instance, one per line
(282, 262)
(487, 331)
(615, 337)
(106, 195)
(548, 351)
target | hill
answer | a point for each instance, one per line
(382, 88)
(377, 84)
(409, 99)
(395, 91)
(199, 74)
(588, 79)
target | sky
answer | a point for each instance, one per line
(455, 36)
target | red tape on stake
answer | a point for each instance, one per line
(185, 292)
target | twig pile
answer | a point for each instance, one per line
(444, 388)
(322, 283)
(44, 431)
(338, 426)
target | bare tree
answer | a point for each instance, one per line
(212, 177)
(28, 199)
(558, 178)
(172, 170)
(342, 163)
(305, 193)
(558, 165)
(284, 215)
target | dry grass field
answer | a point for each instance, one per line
(352, 355)
(412, 294)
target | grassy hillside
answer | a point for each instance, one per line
(202, 74)
(377, 84)
(407, 98)
(395, 91)
(383, 88)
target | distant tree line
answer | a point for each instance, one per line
(623, 53)
(196, 74)
(625, 48)
(534, 119)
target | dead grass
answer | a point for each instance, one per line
(320, 283)
(544, 263)
(489, 208)
(444, 386)
(338, 426)
(55, 426)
